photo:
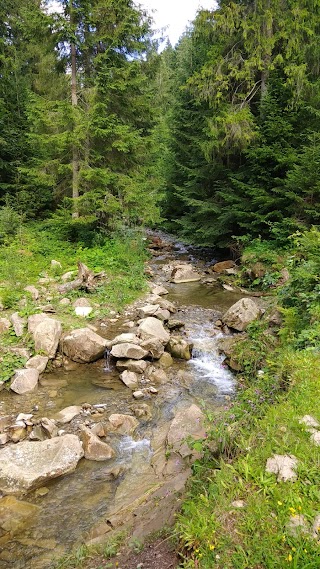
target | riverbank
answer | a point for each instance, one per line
(231, 467)
(257, 504)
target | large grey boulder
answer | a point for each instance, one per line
(152, 328)
(28, 465)
(187, 423)
(46, 337)
(24, 380)
(241, 314)
(184, 273)
(83, 345)
(128, 351)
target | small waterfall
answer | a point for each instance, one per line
(208, 364)
(107, 358)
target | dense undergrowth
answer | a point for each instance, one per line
(236, 515)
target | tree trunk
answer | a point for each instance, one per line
(74, 102)
(267, 33)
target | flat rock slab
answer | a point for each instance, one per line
(28, 465)
(284, 466)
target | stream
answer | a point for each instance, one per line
(87, 504)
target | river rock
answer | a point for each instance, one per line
(159, 290)
(68, 413)
(4, 438)
(94, 449)
(157, 375)
(166, 360)
(5, 325)
(123, 424)
(142, 411)
(184, 273)
(28, 465)
(17, 432)
(223, 266)
(14, 515)
(138, 394)
(83, 345)
(284, 466)
(162, 314)
(167, 305)
(241, 314)
(38, 362)
(187, 423)
(179, 348)
(126, 338)
(154, 347)
(5, 422)
(128, 351)
(24, 380)
(152, 328)
(34, 320)
(18, 324)
(175, 324)
(148, 310)
(65, 301)
(227, 346)
(67, 276)
(49, 427)
(138, 366)
(33, 291)
(55, 264)
(130, 379)
(46, 337)
(82, 307)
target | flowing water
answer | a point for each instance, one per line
(73, 504)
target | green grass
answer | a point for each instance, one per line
(26, 257)
(216, 534)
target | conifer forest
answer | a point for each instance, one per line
(217, 137)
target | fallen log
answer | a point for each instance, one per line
(86, 280)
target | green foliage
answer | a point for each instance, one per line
(9, 363)
(243, 124)
(10, 222)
